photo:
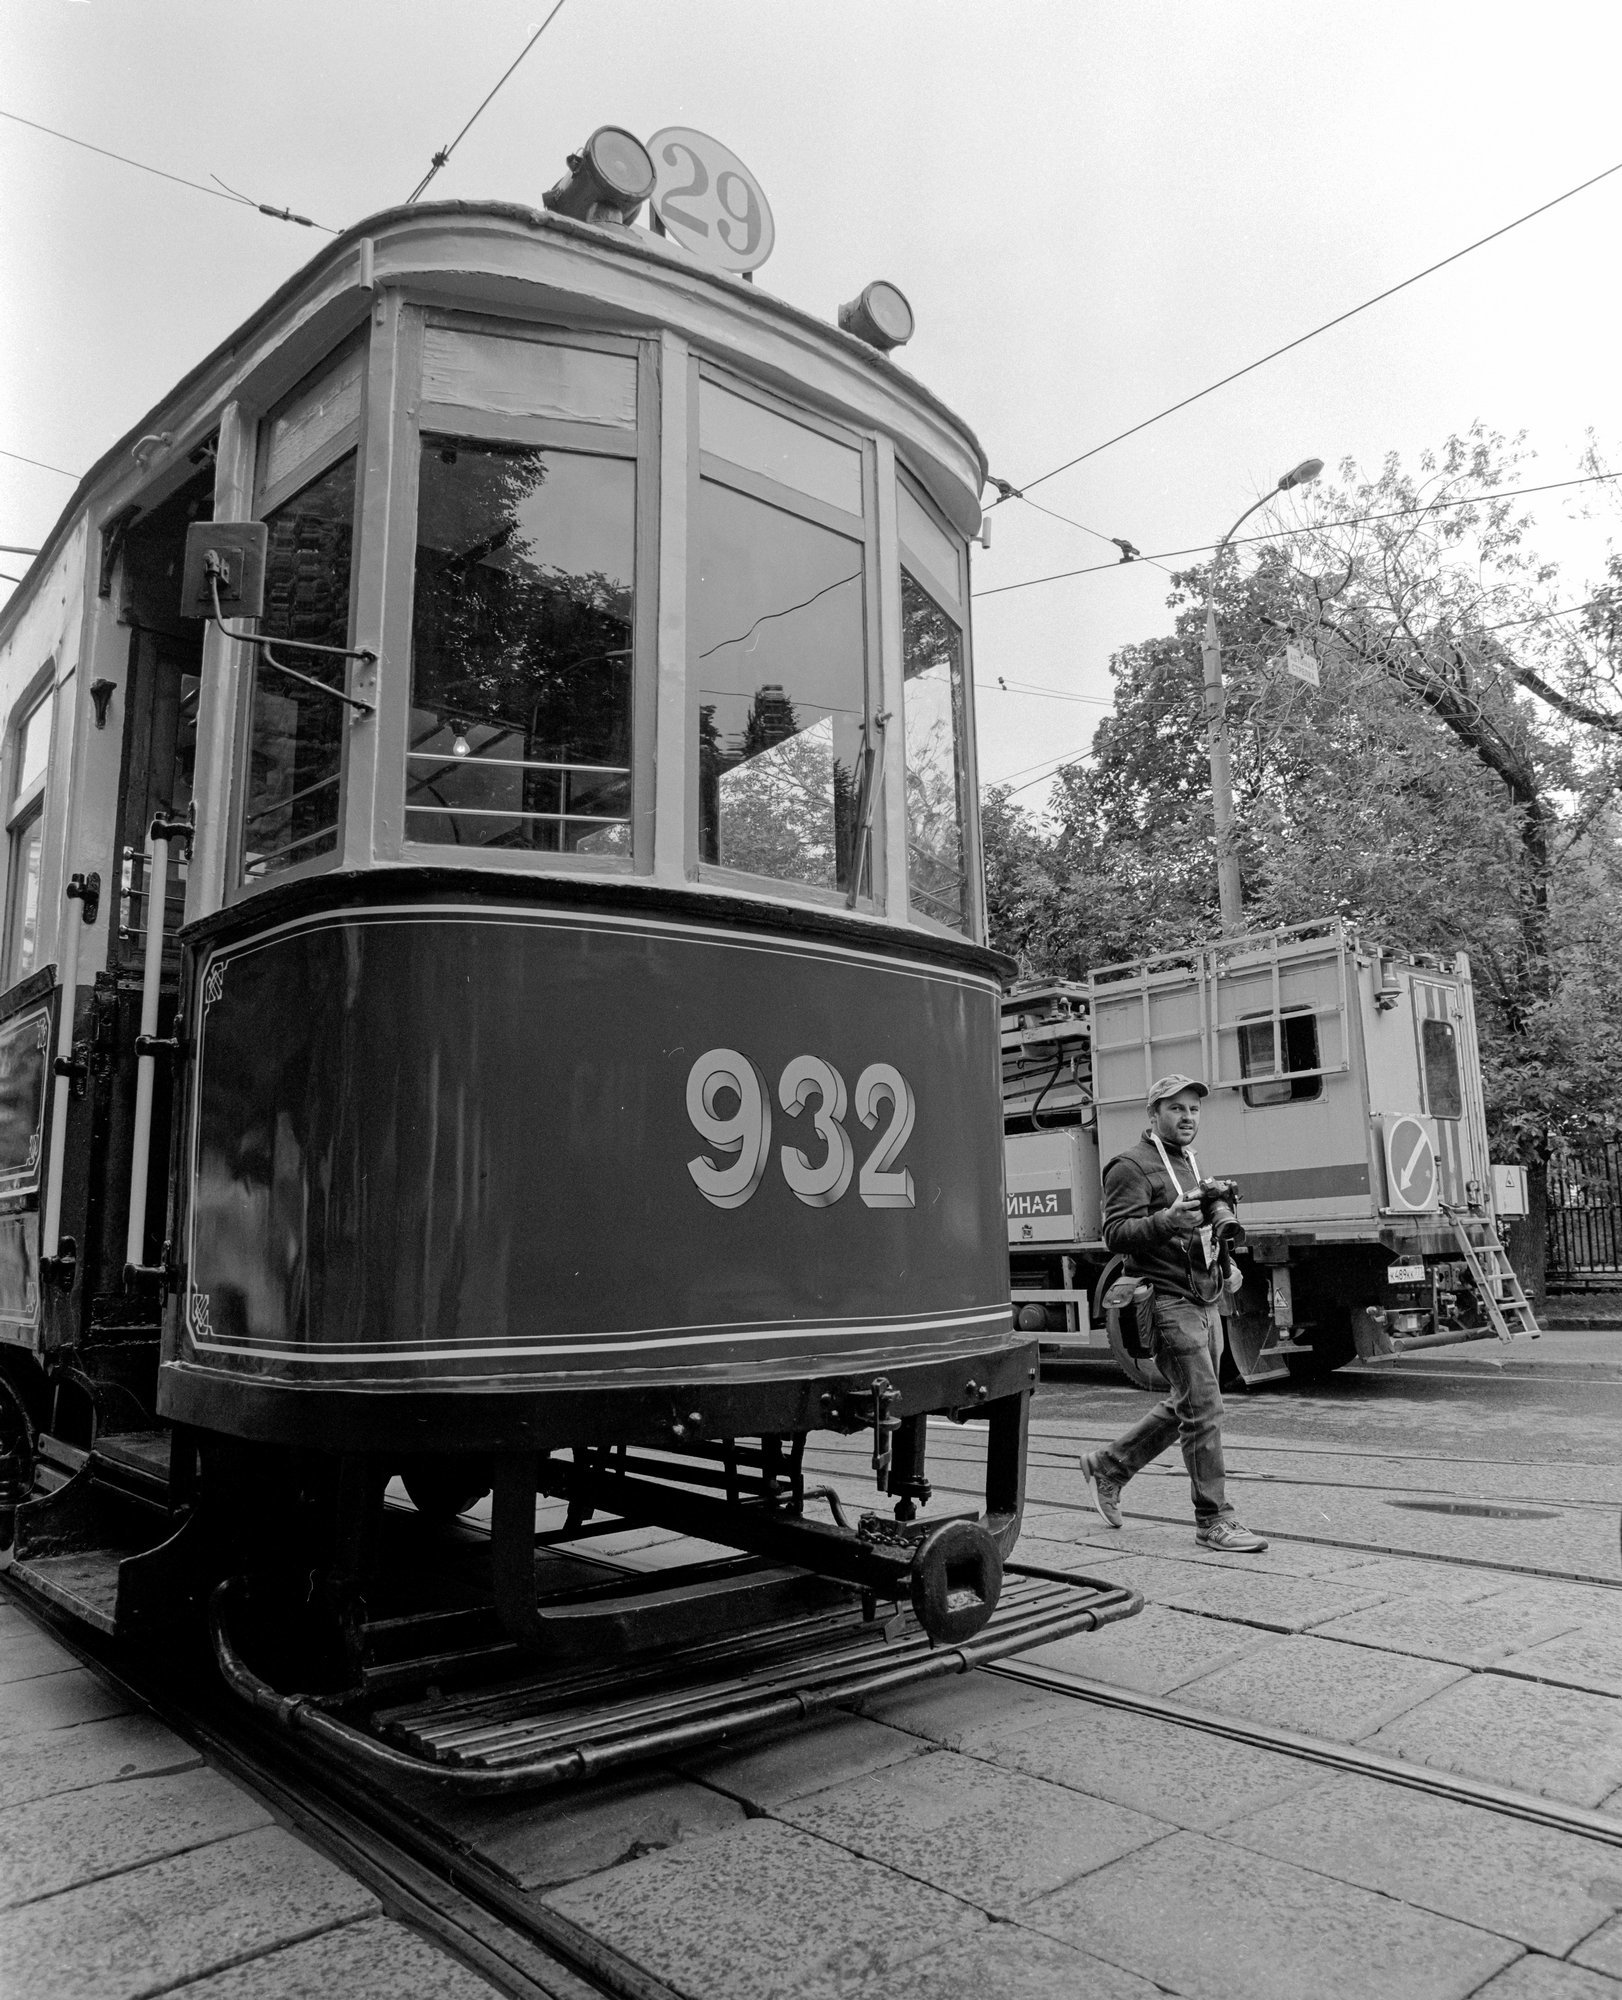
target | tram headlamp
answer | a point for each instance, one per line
(608, 179)
(880, 315)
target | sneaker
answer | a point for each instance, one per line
(1229, 1535)
(1106, 1491)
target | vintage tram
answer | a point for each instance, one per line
(495, 982)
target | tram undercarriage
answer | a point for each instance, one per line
(501, 1654)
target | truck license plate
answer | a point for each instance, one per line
(1405, 1274)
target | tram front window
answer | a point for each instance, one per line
(937, 879)
(521, 649)
(779, 646)
(296, 733)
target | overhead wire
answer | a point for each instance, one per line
(24, 460)
(445, 152)
(1300, 339)
(220, 193)
(1304, 528)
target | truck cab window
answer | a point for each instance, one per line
(1439, 1045)
(521, 640)
(1298, 1041)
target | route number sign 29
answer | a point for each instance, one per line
(742, 1138)
(709, 201)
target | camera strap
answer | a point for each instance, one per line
(1208, 1247)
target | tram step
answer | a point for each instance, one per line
(550, 1727)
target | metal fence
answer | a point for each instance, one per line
(1585, 1220)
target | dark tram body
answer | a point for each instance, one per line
(554, 1021)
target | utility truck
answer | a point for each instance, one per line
(1346, 1101)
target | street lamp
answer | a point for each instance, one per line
(1230, 897)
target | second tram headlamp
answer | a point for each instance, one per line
(880, 315)
(608, 179)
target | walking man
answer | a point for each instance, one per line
(1152, 1214)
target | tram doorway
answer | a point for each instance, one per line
(159, 711)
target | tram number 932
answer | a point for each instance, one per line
(883, 1100)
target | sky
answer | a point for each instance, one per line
(1094, 209)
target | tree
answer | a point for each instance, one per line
(1449, 785)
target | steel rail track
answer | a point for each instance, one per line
(1501, 1799)
(1035, 1502)
(417, 1872)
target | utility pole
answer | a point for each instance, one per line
(1230, 889)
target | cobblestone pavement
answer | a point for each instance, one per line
(987, 1837)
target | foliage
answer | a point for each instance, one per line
(1448, 786)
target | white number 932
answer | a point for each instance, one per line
(742, 1138)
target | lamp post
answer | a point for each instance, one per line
(1230, 898)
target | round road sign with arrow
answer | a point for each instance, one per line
(1410, 1165)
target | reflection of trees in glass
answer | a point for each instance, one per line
(933, 654)
(778, 624)
(295, 740)
(526, 662)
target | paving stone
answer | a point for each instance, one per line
(1009, 1964)
(1539, 1886)
(1577, 1604)
(1557, 1741)
(1183, 1776)
(174, 1920)
(26, 1651)
(1470, 1635)
(1437, 1583)
(802, 1760)
(1585, 1659)
(75, 1837)
(1154, 1652)
(1318, 1686)
(765, 1910)
(1535, 1978)
(376, 1959)
(57, 1701)
(1279, 1603)
(1602, 1950)
(1208, 1919)
(940, 1711)
(41, 1763)
(541, 1843)
(996, 1838)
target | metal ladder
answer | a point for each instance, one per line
(1496, 1283)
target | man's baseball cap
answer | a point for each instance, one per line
(1168, 1086)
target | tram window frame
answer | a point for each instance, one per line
(345, 440)
(637, 444)
(25, 817)
(861, 529)
(917, 568)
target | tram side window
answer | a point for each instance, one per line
(779, 626)
(1298, 1039)
(25, 828)
(296, 733)
(521, 649)
(1444, 1097)
(932, 645)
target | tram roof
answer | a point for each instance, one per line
(633, 244)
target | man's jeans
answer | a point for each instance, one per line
(1188, 1347)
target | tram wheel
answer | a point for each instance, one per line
(1134, 1360)
(442, 1488)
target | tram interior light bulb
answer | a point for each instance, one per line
(880, 315)
(608, 179)
(460, 746)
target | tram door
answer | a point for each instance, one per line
(160, 733)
